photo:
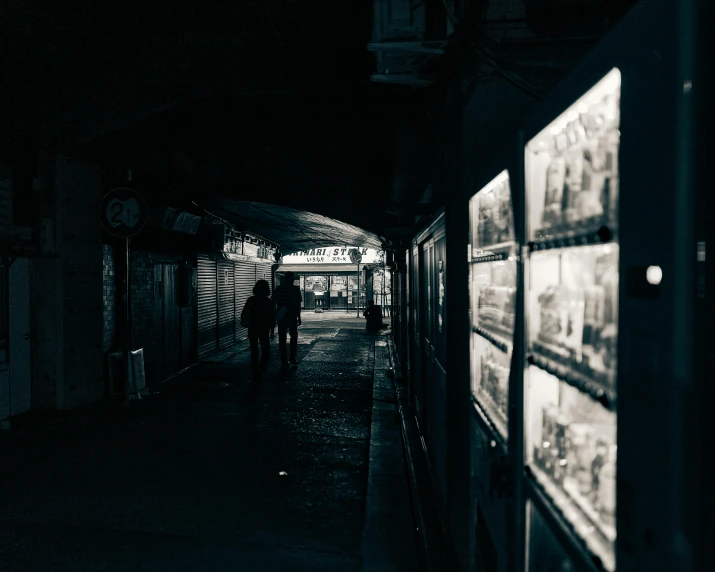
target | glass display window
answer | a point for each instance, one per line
(492, 216)
(316, 283)
(572, 166)
(572, 304)
(573, 322)
(494, 297)
(571, 451)
(338, 283)
(491, 366)
(493, 273)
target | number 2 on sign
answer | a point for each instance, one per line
(123, 212)
(117, 208)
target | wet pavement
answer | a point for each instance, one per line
(304, 472)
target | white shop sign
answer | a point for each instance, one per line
(330, 255)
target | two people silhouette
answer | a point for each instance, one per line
(260, 315)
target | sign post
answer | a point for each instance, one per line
(356, 258)
(123, 212)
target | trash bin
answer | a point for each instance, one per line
(137, 377)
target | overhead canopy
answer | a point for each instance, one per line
(317, 269)
(292, 229)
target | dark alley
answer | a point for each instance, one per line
(357, 285)
(213, 475)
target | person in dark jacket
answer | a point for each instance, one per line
(288, 302)
(260, 310)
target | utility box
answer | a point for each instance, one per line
(137, 377)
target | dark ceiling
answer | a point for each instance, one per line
(267, 100)
(331, 153)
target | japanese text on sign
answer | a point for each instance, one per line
(331, 255)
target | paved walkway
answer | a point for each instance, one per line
(210, 475)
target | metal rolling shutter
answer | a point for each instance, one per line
(264, 272)
(207, 310)
(245, 278)
(226, 310)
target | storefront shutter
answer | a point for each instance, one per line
(208, 315)
(245, 278)
(226, 308)
(264, 271)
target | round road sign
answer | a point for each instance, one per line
(123, 212)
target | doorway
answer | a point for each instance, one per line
(175, 324)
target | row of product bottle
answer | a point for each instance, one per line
(582, 176)
(496, 307)
(580, 322)
(495, 378)
(495, 223)
(576, 458)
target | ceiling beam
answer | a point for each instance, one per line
(408, 79)
(436, 48)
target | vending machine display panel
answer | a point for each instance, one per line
(572, 305)
(493, 282)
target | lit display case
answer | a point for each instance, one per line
(492, 254)
(572, 306)
(316, 283)
(572, 166)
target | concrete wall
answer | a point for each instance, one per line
(46, 325)
(66, 294)
(79, 245)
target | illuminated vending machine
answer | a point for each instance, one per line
(572, 308)
(587, 307)
(493, 271)
(493, 297)
(614, 306)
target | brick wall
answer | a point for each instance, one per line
(142, 301)
(109, 299)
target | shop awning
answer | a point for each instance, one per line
(319, 269)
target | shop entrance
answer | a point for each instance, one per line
(315, 288)
(331, 292)
(338, 292)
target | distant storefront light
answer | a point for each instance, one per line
(331, 255)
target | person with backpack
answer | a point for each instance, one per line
(258, 316)
(288, 302)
